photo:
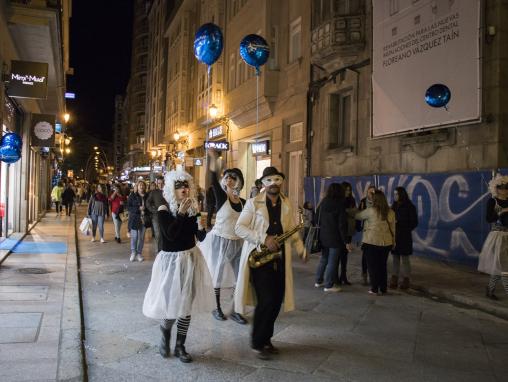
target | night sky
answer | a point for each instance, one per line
(100, 53)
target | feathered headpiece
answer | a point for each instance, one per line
(497, 181)
(170, 179)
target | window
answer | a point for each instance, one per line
(295, 40)
(295, 132)
(394, 7)
(273, 61)
(346, 7)
(340, 119)
(231, 79)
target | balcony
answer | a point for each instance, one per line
(338, 38)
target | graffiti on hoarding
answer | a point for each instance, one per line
(451, 208)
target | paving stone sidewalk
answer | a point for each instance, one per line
(40, 324)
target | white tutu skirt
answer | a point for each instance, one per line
(180, 286)
(223, 259)
(494, 255)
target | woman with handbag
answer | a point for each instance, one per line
(98, 210)
(117, 200)
(137, 220)
(378, 239)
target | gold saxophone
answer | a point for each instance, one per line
(260, 258)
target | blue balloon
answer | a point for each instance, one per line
(438, 95)
(254, 50)
(12, 140)
(208, 43)
(9, 154)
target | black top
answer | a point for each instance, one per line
(68, 195)
(406, 220)
(332, 220)
(154, 200)
(492, 215)
(221, 196)
(133, 203)
(179, 233)
(275, 227)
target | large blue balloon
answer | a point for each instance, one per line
(9, 154)
(254, 50)
(438, 95)
(208, 43)
(12, 140)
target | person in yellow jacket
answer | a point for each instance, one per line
(56, 197)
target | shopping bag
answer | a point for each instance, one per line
(86, 225)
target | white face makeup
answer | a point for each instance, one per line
(272, 180)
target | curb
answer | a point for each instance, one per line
(71, 354)
(465, 301)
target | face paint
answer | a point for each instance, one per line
(272, 180)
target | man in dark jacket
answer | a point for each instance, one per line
(154, 200)
(210, 206)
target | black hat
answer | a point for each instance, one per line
(237, 172)
(269, 171)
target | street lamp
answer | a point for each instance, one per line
(176, 136)
(213, 110)
(66, 117)
(67, 150)
(67, 141)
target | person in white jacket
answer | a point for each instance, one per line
(263, 218)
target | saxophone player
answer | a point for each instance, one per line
(263, 218)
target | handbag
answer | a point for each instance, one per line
(86, 225)
(146, 220)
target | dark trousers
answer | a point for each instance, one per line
(269, 285)
(377, 258)
(342, 275)
(58, 207)
(364, 261)
(68, 209)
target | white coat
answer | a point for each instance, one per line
(251, 226)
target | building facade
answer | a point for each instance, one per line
(36, 31)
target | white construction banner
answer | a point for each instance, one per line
(418, 44)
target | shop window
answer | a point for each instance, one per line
(295, 40)
(340, 119)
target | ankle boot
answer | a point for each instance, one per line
(393, 282)
(405, 283)
(164, 344)
(180, 349)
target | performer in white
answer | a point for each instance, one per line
(222, 247)
(494, 255)
(180, 283)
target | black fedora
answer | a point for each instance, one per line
(269, 171)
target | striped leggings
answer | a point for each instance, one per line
(182, 324)
(495, 278)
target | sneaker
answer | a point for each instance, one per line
(262, 354)
(372, 292)
(238, 318)
(139, 257)
(319, 285)
(218, 315)
(102, 240)
(133, 257)
(332, 289)
(271, 349)
(93, 240)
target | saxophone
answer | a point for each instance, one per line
(264, 255)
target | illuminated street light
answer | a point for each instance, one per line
(67, 150)
(95, 148)
(213, 110)
(154, 153)
(66, 117)
(176, 136)
(67, 141)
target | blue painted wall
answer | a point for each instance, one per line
(451, 209)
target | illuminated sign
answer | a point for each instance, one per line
(219, 145)
(198, 161)
(215, 132)
(43, 130)
(58, 128)
(70, 173)
(28, 80)
(261, 148)
(70, 95)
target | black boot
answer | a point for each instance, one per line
(180, 349)
(164, 344)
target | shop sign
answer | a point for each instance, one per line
(28, 80)
(70, 173)
(198, 161)
(215, 132)
(261, 148)
(218, 145)
(43, 130)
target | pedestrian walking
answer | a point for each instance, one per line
(79, 194)
(494, 255)
(98, 210)
(56, 197)
(180, 284)
(136, 205)
(117, 200)
(222, 247)
(154, 200)
(68, 196)
(263, 218)
(350, 207)
(406, 221)
(365, 203)
(331, 214)
(378, 239)
(256, 189)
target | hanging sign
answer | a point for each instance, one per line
(28, 80)
(215, 132)
(43, 130)
(261, 148)
(219, 145)
(198, 161)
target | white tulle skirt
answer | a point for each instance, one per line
(494, 255)
(223, 259)
(180, 286)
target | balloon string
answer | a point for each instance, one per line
(209, 95)
(257, 104)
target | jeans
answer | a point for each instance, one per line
(98, 220)
(58, 207)
(269, 284)
(117, 222)
(377, 258)
(406, 266)
(327, 266)
(137, 240)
